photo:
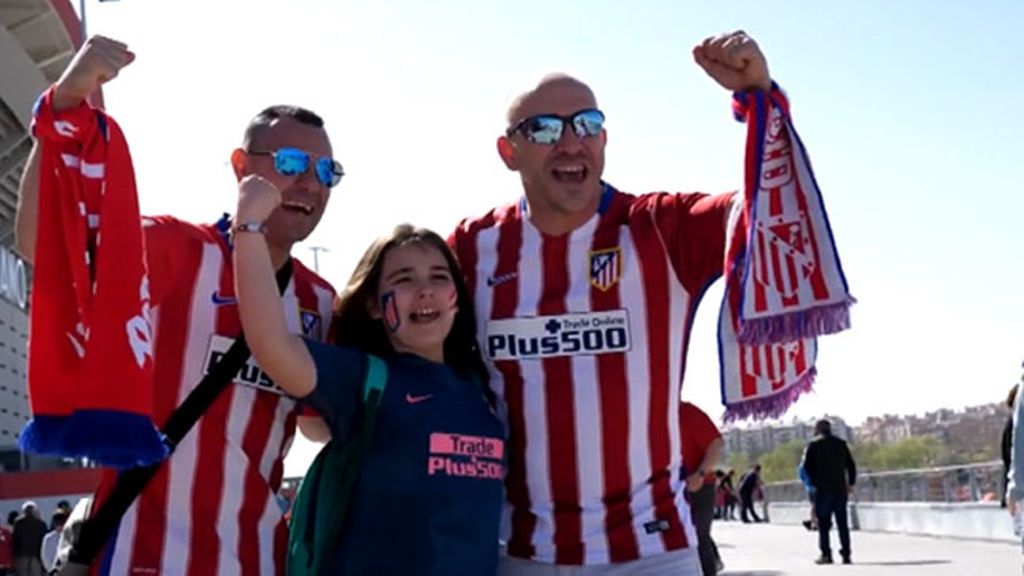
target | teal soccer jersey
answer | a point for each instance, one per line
(429, 496)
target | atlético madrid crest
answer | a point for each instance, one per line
(310, 324)
(605, 268)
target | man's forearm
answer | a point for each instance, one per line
(27, 215)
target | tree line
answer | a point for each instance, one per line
(780, 464)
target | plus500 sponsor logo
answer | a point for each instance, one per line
(562, 335)
(250, 375)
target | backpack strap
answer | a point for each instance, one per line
(341, 463)
(376, 379)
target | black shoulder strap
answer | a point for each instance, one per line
(98, 528)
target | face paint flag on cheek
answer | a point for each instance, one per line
(389, 309)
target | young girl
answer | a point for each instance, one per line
(428, 498)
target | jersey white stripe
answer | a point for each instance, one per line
(125, 539)
(538, 472)
(632, 291)
(182, 481)
(587, 399)
(232, 498)
(679, 313)
(487, 268)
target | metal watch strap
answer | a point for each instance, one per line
(258, 227)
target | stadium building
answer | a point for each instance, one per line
(37, 40)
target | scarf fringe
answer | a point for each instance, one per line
(773, 406)
(800, 325)
(116, 439)
(44, 435)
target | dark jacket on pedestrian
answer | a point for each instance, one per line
(28, 536)
(830, 465)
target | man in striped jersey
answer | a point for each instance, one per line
(585, 297)
(211, 509)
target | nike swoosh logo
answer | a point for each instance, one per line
(219, 300)
(417, 399)
(493, 281)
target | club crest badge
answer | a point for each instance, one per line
(605, 268)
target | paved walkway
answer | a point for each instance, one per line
(770, 550)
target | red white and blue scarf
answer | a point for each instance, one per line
(784, 282)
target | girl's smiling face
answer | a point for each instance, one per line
(417, 300)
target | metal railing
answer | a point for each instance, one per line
(981, 482)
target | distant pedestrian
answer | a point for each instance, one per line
(1007, 442)
(833, 473)
(729, 498)
(29, 530)
(1015, 487)
(812, 521)
(7, 544)
(749, 484)
(51, 542)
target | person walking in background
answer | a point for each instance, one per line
(48, 551)
(812, 521)
(28, 533)
(729, 498)
(1015, 476)
(6, 544)
(749, 483)
(702, 447)
(1007, 443)
(833, 474)
(719, 495)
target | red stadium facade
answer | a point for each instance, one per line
(37, 40)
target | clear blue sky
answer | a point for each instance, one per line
(910, 111)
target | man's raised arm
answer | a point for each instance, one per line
(97, 61)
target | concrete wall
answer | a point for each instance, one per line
(982, 521)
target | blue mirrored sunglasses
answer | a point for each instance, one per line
(547, 128)
(294, 162)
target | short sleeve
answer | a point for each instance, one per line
(340, 372)
(694, 229)
(697, 433)
(167, 252)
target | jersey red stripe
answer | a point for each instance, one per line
(561, 412)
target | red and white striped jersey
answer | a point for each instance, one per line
(585, 336)
(212, 508)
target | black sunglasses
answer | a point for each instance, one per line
(547, 128)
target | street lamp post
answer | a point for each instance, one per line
(316, 256)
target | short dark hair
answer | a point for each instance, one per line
(823, 427)
(271, 113)
(58, 518)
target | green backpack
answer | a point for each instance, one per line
(322, 501)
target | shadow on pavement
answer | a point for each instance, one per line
(903, 562)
